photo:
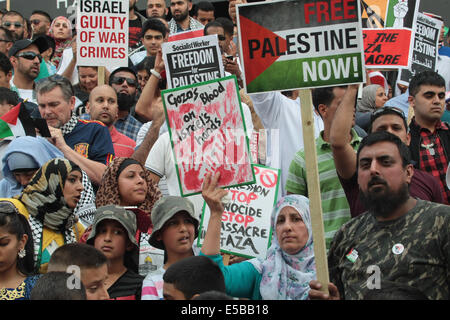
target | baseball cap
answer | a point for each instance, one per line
(18, 45)
(112, 212)
(164, 209)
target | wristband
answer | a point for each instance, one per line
(155, 73)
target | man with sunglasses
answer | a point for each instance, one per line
(14, 22)
(40, 22)
(6, 40)
(422, 186)
(25, 56)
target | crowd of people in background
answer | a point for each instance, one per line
(95, 201)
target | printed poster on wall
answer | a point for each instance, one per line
(192, 61)
(208, 134)
(388, 32)
(102, 33)
(304, 44)
(425, 50)
(246, 229)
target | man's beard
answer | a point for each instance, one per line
(125, 101)
(181, 17)
(383, 203)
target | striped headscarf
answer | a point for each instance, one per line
(44, 198)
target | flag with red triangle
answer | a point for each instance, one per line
(16, 123)
(295, 44)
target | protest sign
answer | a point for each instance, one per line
(102, 33)
(246, 229)
(304, 44)
(208, 134)
(425, 50)
(388, 32)
(192, 61)
(186, 35)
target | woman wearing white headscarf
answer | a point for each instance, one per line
(289, 266)
(373, 97)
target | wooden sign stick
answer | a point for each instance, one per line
(101, 75)
(226, 259)
(312, 178)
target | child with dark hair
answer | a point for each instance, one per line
(189, 277)
(53, 286)
(174, 231)
(91, 264)
(16, 254)
(113, 233)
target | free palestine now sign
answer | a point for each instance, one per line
(300, 44)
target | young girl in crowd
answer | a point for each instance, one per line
(289, 266)
(16, 254)
(113, 233)
(61, 32)
(174, 230)
(48, 202)
(127, 183)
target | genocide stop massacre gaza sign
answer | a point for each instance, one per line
(192, 61)
(303, 44)
(425, 50)
(208, 134)
(246, 219)
(102, 29)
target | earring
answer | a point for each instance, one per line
(22, 253)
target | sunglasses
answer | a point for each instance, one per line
(387, 110)
(35, 21)
(221, 37)
(119, 80)
(29, 55)
(9, 24)
(7, 207)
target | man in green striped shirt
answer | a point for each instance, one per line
(335, 207)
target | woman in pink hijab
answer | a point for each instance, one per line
(61, 31)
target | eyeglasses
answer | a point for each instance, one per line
(7, 207)
(119, 80)
(8, 24)
(35, 21)
(29, 55)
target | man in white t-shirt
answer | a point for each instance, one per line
(281, 117)
(25, 57)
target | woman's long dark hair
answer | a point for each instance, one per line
(18, 225)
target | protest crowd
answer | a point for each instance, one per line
(94, 191)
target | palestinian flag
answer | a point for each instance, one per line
(17, 123)
(300, 44)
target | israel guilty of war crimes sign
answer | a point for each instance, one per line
(192, 61)
(425, 49)
(300, 44)
(102, 33)
(246, 229)
(208, 134)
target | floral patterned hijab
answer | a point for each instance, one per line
(108, 192)
(285, 276)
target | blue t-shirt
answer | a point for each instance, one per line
(92, 140)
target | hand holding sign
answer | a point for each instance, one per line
(212, 194)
